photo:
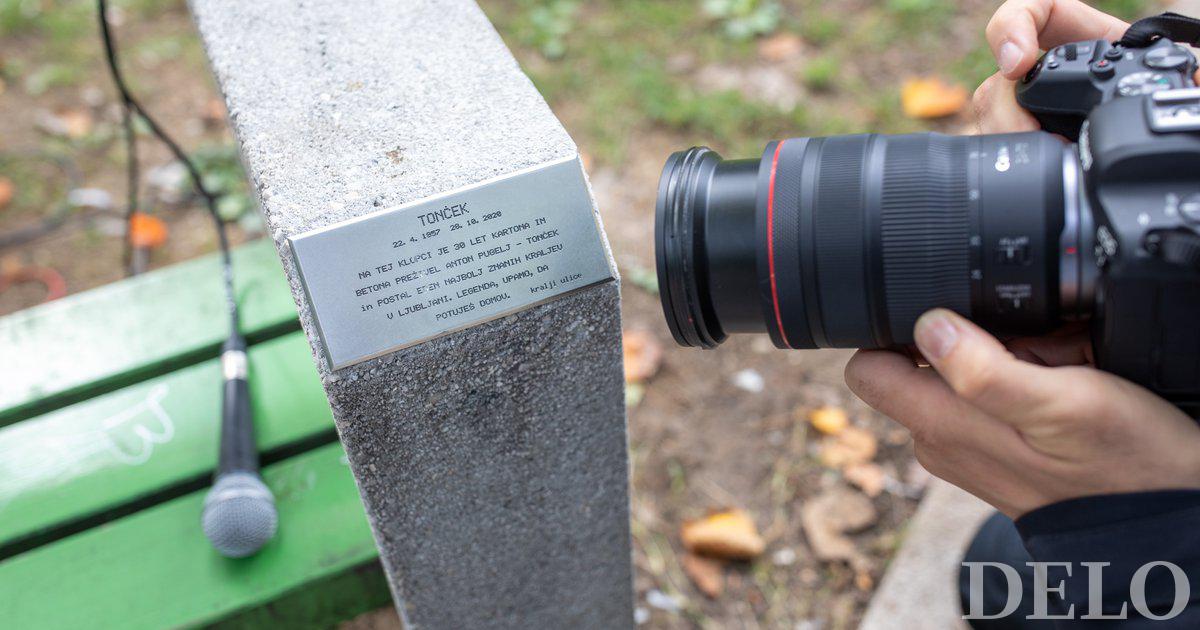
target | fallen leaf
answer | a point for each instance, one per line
(863, 580)
(214, 113)
(829, 517)
(781, 47)
(147, 231)
(68, 123)
(868, 477)
(78, 122)
(931, 97)
(829, 420)
(707, 574)
(7, 191)
(643, 355)
(729, 535)
(850, 447)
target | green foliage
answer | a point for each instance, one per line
(1127, 9)
(223, 175)
(921, 14)
(975, 66)
(744, 19)
(821, 73)
(545, 25)
(52, 75)
(819, 29)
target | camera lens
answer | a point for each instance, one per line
(844, 241)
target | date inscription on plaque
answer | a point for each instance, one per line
(400, 276)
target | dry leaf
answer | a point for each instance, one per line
(7, 191)
(147, 231)
(77, 123)
(850, 447)
(868, 477)
(932, 97)
(827, 518)
(729, 535)
(829, 420)
(863, 580)
(213, 115)
(781, 47)
(643, 355)
(68, 123)
(708, 575)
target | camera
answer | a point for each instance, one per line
(844, 241)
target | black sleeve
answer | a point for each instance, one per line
(1128, 531)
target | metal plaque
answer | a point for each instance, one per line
(403, 275)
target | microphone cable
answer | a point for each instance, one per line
(239, 511)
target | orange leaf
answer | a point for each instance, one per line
(643, 354)
(708, 575)
(729, 535)
(7, 192)
(868, 477)
(147, 231)
(829, 420)
(781, 47)
(932, 97)
(850, 447)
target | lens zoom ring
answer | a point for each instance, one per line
(924, 229)
(839, 222)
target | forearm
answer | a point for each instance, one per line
(1110, 543)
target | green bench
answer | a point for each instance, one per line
(109, 413)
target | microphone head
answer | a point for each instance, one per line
(239, 514)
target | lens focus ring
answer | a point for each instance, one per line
(925, 228)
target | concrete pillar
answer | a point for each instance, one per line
(488, 444)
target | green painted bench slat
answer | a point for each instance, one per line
(99, 340)
(154, 569)
(81, 460)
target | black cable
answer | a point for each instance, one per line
(132, 186)
(131, 107)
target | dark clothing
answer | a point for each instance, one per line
(1125, 530)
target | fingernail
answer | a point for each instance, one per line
(1009, 57)
(935, 335)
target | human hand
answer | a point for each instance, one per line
(1022, 433)
(1017, 33)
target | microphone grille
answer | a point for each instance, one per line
(239, 514)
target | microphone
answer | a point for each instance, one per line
(239, 512)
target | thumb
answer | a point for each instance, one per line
(980, 369)
(1021, 28)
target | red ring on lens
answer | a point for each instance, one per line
(771, 242)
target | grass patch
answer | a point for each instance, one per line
(822, 73)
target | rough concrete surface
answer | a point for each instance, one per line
(492, 462)
(920, 589)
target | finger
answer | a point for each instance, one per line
(921, 401)
(1053, 351)
(1021, 28)
(981, 370)
(996, 108)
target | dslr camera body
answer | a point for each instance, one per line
(844, 241)
(1135, 114)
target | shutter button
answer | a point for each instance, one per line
(1103, 69)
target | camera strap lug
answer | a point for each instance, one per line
(1173, 26)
